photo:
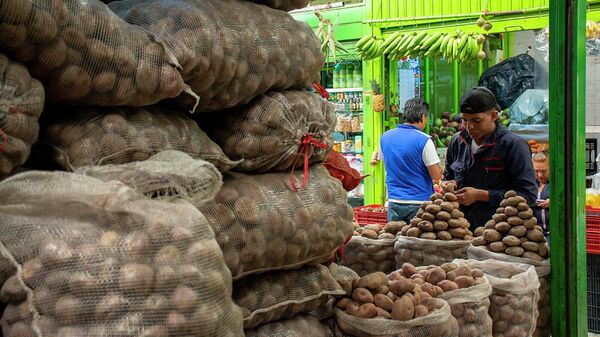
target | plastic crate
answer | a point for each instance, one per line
(593, 269)
(592, 218)
(593, 242)
(365, 217)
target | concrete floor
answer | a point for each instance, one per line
(593, 335)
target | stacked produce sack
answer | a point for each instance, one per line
(21, 103)
(513, 235)
(439, 233)
(84, 257)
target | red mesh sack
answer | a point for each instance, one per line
(339, 168)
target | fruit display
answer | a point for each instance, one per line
(283, 294)
(21, 103)
(513, 230)
(369, 47)
(464, 288)
(439, 232)
(378, 98)
(514, 299)
(379, 306)
(275, 131)
(371, 248)
(262, 224)
(461, 46)
(96, 258)
(444, 128)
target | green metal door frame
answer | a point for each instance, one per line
(567, 168)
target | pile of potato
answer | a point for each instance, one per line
(262, 224)
(464, 288)
(85, 136)
(167, 175)
(284, 5)
(513, 230)
(103, 260)
(84, 54)
(268, 133)
(21, 103)
(375, 300)
(230, 59)
(440, 219)
(371, 248)
(298, 326)
(283, 294)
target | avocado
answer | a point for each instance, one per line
(448, 139)
(438, 122)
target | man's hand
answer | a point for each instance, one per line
(469, 195)
(544, 203)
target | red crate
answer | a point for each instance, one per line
(365, 217)
(592, 218)
(593, 242)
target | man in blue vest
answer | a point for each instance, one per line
(411, 162)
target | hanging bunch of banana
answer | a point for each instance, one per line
(456, 46)
(369, 47)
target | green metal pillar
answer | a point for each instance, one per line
(567, 168)
(456, 85)
(427, 92)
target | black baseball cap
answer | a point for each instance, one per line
(478, 99)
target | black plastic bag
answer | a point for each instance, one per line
(509, 79)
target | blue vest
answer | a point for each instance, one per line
(407, 178)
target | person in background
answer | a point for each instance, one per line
(411, 162)
(542, 204)
(485, 160)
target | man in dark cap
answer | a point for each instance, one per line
(485, 160)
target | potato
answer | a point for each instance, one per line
(443, 235)
(503, 227)
(527, 214)
(367, 310)
(415, 221)
(490, 224)
(457, 232)
(491, 235)
(479, 231)
(428, 236)
(512, 201)
(464, 281)
(413, 232)
(536, 236)
(530, 223)
(436, 196)
(401, 286)
(136, 278)
(384, 302)
(425, 226)
(441, 225)
(403, 309)
(499, 217)
(511, 211)
(450, 197)
(369, 234)
(443, 215)
(532, 256)
(372, 281)
(518, 231)
(479, 241)
(394, 227)
(511, 241)
(428, 217)
(12, 291)
(362, 295)
(433, 209)
(448, 285)
(497, 246)
(110, 306)
(420, 311)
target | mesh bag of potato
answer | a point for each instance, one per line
(464, 288)
(438, 233)
(167, 175)
(283, 294)
(542, 269)
(284, 5)
(262, 224)
(298, 326)
(230, 51)
(371, 248)
(382, 305)
(81, 257)
(85, 54)
(344, 277)
(99, 136)
(275, 132)
(514, 299)
(21, 103)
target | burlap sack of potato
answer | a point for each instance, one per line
(542, 269)
(230, 50)
(439, 323)
(344, 276)
(298, 326)
(91, 258)
(167, 175)
(21, 103)
(284, 5)
(85, 54)
(424, 252)
(514, 299)
(275, 132)
(99, 136)
(470, 307)
(365, 256)
(283, 294)
(262, 224)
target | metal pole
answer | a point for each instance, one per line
(567, 164)
(456, 85)
(427, 93)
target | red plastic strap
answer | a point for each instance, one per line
(307, 140)
(3, 141)
(319, 88)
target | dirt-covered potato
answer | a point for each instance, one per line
(75, 137)
(21, 105)
(262, 224)
(78, 50)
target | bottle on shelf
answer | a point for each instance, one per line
(357, 75)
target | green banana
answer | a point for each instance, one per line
(390, 39)
(463, 41)
(367, 45)
(444, 43)
(455, 49)
(433, 48)
(362, 41)
(404, 45)
(393, 45)
(430, 40)
(466, 50)
(449, 48)
(474, 48)
(417, 39)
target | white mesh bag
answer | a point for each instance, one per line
(298, 326)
